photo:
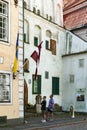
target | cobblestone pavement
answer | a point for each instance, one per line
(78, 126)
(81, 126)
(61, 122)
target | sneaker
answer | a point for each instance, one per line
(43, 121)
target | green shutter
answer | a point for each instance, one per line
(24, 37)
(47, 44)
(39, 84)
(55, 85)
(36, 41)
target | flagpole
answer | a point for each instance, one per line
(36, 59)
(14, 74)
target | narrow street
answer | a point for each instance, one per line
(61, 122)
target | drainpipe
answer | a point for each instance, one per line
(23, 49)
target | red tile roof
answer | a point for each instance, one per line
(75, 18)
(71, 3)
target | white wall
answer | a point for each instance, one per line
(78, 44)
(55, 65)
(71, 90)
(48, 62)
(53, 8)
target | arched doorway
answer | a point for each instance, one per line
(25, 94)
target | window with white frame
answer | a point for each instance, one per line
(37, 35)
(47, 41)
(3, 20)
(5, 88)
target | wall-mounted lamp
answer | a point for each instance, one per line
(16, 2)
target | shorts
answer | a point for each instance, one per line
(49, 110)
(43, 111)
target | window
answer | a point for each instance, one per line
(3, 21)
(26, 31)
(81, 62)
(48, 37)
(50, 18)
(5, 88)
(36, 89)
(46, 75)
(58, 14)
(71, 78)
(36, 41)
(26, 65)
(68, 43)
(50, 7)
(25, 4)
(55, 85)
(80, 95)
(34, 9)
(38, 12)
(37, 35)
(47, 44)
(24, 37)
(53, 46)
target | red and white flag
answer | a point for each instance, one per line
(36, 57)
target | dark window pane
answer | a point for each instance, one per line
(36, 41)
(24, 37)
(47, 44)
(36, 88)
(55, 85)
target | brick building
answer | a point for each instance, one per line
(75, 17)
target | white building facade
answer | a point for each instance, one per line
(43, 22)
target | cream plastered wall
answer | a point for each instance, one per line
(7, 51)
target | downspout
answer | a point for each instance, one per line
(23, 52)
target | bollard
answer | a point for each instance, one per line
(72, 112)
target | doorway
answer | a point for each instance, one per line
(25, 94)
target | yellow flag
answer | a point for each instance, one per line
(15, 66)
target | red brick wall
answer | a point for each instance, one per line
(76, 18)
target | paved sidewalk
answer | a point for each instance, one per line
(60, 119)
